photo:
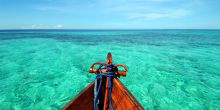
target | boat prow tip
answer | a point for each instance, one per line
(109, 58)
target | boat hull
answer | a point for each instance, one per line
(122, 99)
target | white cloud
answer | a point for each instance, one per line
(37, 26)
(42, 26)
(175, 13)
(50, 8)
(131, 9)
(156, 0)
(58, 26)
(150, 9)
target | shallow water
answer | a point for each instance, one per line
(168, 69)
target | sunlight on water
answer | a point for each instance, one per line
(168, 69)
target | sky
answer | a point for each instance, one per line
(109, 14)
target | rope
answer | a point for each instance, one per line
(108, 74)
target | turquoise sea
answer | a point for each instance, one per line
(167, 69)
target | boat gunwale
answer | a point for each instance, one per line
(116, 80)
(77, 96)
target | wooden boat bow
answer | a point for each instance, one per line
(121, 98)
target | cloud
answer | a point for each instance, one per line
(42, 26)
(129, 9)
(175, 13)
(50, 8)
(157, 0)
(37, 26)
(65, 6)
(58, 26)
(151, 9)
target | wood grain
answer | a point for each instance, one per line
(122, 99)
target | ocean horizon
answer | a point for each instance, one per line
(105, 29)
(168, 69)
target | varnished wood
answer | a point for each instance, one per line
(108, 61)
(83, 101)
(122, 99)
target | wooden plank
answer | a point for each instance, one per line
(122, 99)
(83, 101)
